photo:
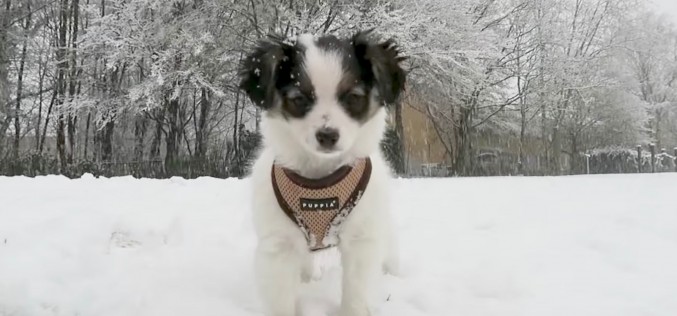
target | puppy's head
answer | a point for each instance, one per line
(324, 95)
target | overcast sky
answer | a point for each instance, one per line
(668, 7)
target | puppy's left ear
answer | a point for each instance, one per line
(381, 60)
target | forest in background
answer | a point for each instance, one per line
(149, 87)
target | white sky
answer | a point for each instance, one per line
(668, 7)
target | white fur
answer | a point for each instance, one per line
(367, 244)
(325, 71)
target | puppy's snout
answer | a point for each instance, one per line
(327, 137)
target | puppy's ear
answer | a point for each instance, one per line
(381, 63)
(259, 70)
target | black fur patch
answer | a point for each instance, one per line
(380, 62)
(273, 74)
(259, 71)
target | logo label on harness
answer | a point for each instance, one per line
(319, 204)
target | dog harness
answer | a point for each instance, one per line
(319, 206)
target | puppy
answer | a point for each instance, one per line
(320, 179)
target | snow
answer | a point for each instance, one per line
(588, 245)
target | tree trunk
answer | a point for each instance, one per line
(555, 152)
(42, 70)
(96, 139)
(62, 65)
(523, 109)
(140, 127)
(107, 141)
(105, 137)
(96, 145)
(4, 71)
(157, 137)
(556, 164)
(657, 130)
(464, 162)
(89, 120)
(463, 165)
(523, 128)
(19, 88)
(541, 93)
(44, 128)
(173, 134)
(72, 120)
(61, 139)
(201, 136)
(573, 156)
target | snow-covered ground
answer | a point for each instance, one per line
(589, 245)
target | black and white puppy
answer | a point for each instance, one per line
(324, 100)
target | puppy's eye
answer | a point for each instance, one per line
(355, 104)
(297, 106)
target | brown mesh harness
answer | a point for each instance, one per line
(320, 206)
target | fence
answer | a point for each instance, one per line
(40, 165)
(600, 161)
(631, 161)
(488, 162)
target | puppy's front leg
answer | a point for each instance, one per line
(362, 261)
(279, 262)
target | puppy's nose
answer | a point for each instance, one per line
(327, 137)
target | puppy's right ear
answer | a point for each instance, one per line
(259, 70)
